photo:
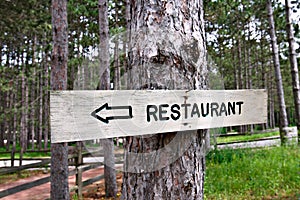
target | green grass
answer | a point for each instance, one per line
(26, 154)
(268, 173)
(244, 138)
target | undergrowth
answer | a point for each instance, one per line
(267, 173)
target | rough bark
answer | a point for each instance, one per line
(128, 20)
(293, 63)
(59, 151)
(108, 144)
(104, 46)
(117, 68)
(167, 52)
(280, 92)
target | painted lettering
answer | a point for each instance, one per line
(231, 108)
(240, 103)
(163, 112)
(223, 109)
(151, 110)
(175, 109)
(204, 114)
(186, 109)
(214, 107)
(195, 111)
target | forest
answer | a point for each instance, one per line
(238, 46)
(249, 45)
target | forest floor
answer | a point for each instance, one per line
(91, 192)
(42, 192)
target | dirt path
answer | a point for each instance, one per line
(42, 192)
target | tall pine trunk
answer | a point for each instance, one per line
(167, 52)
(14, 97)
(108, 144)
(59, 66)
(40, 138)
(117, 68)
(46, 109)
(33, 93)
(280, 92)
(293, 63)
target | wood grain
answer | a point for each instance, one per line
(71, 118)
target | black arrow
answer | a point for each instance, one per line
(106, 120)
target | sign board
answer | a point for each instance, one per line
(86, 115)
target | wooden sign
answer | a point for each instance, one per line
(86, 115)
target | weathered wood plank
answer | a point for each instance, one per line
(127, 113)
(23, 167)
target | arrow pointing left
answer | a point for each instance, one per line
(106, 120)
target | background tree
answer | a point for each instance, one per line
(104, 84)
(293, 64)
(276, 62)
(59, 151)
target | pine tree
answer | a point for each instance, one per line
(167, 51)
(108, 144)
(276, 63)
(59, 151)
(293, 63)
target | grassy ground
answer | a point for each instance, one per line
(244, 138)
(38, 154)
(9, 178)
(268, 173)
(27, 155)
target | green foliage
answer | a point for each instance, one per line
(238, 42)
(253, 173)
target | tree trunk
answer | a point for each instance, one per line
(33, 93)
(23, 116)
(59, 65)
(249, 70)
(116, 65)
(108, 144)
(271, 100)
(2, 105)
(116, 53)
(32, 109)
(14, 98)
(46, 110)
(280, 92)
(293, 64)
(2, 110)
(40, 109)
(6, 121)
(167, 52)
